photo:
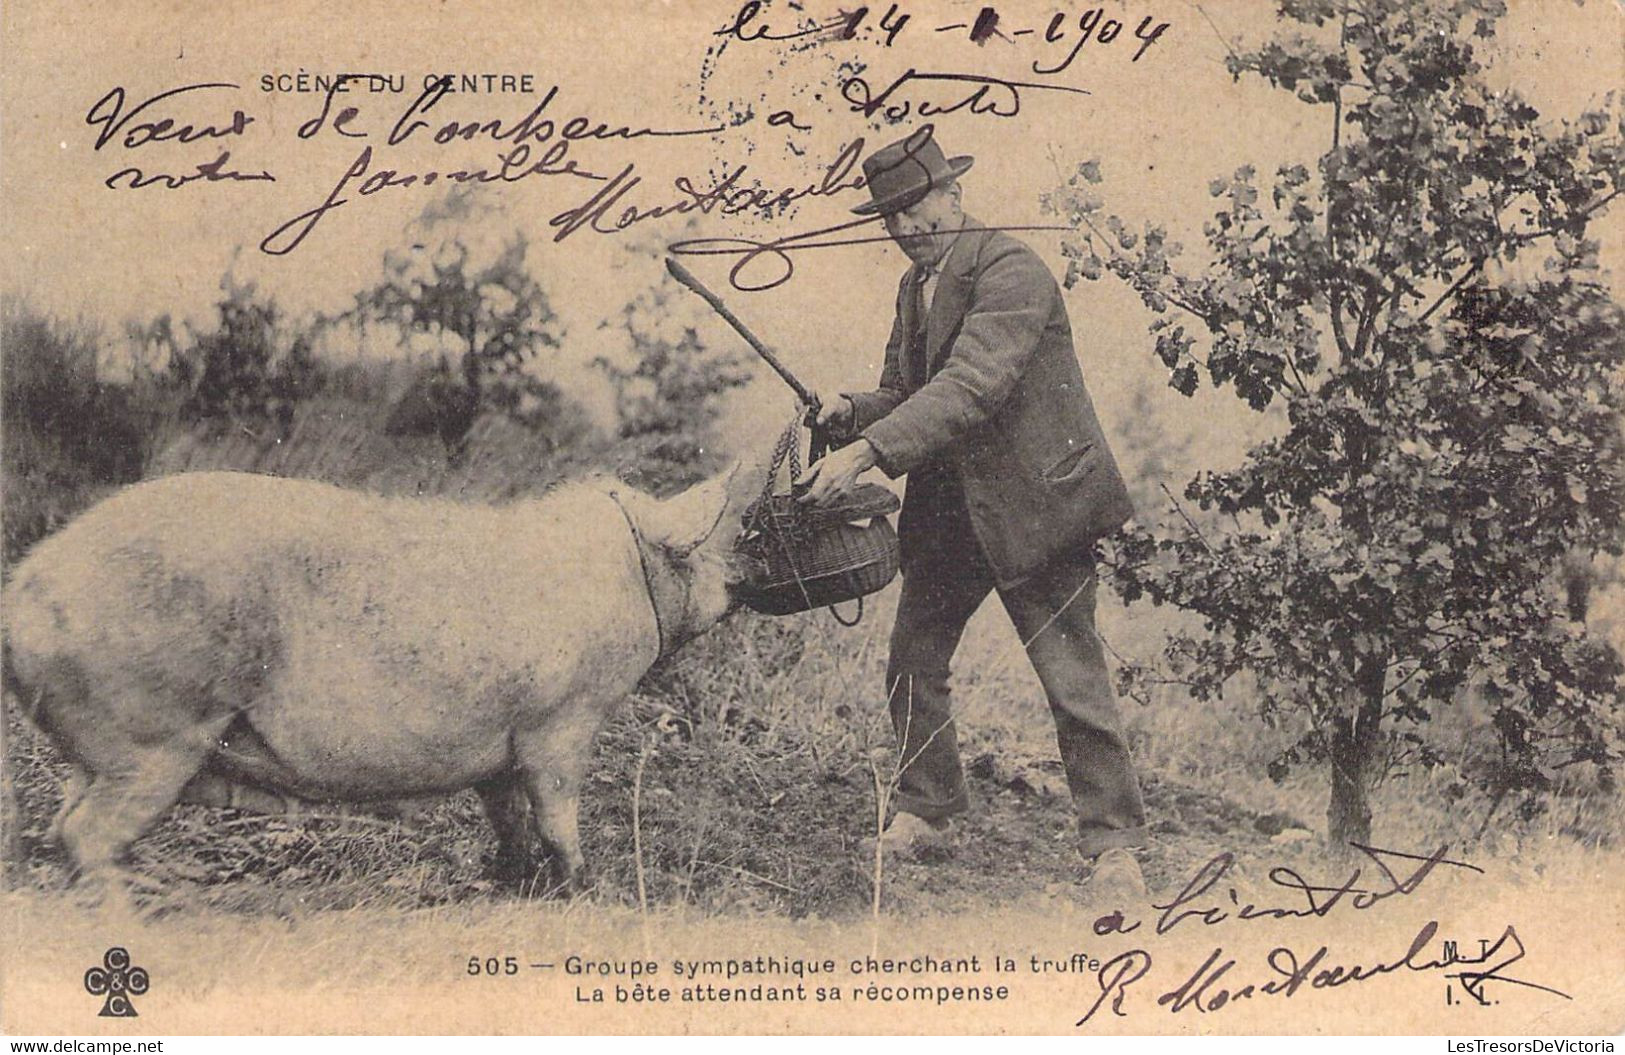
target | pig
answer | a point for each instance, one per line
(219, 629)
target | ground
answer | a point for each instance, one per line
(786, 841)
(725, 813)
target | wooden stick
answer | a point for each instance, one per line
(687, 278)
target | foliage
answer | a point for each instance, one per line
(51, 388)
(251, 370)
(1452, 406)
(68, 433)
(669, 387)
(472, 301)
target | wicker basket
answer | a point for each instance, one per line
(822, 555)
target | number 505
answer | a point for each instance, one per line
(492, 966)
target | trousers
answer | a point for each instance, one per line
(945, 580)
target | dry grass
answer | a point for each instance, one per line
(752, 755)
(737, 787)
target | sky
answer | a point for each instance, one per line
(1162, 125)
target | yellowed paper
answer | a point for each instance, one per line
(301, 179)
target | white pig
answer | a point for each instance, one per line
(293, 636)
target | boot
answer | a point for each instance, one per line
(1113, 880)
(909, 833)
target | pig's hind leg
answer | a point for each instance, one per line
(507, 807)
(74, 785)
(128, 794)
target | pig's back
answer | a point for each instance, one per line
(203, 570)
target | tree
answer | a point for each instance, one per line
(468, 294)
(1453, 407)
(250, 371)
(668, 384)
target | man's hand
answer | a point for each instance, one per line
(835, 413)
(837, 473)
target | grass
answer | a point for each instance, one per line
(731, 795)
(724, 816)
(749, 762)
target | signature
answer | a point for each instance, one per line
(1211, 988)
(727, 196)
(1208, 900)
(776, 253)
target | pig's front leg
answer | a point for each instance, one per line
(554, 760)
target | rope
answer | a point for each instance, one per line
(783, 532)
(643, 565)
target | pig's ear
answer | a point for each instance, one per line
(691, 518)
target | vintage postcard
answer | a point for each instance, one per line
(813, 517)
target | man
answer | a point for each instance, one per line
(982, 405)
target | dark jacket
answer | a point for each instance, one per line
(1002, 405)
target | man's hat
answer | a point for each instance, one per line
(902, 173)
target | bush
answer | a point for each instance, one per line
(251, 369)
(69, 434)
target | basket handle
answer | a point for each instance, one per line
(855, 619)
(787, 449)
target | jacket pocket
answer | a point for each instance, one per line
(1072, 466)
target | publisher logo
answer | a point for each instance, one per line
(117, 980)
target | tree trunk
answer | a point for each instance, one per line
(1356, 757)
(1348, 817)
(1356, 727)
